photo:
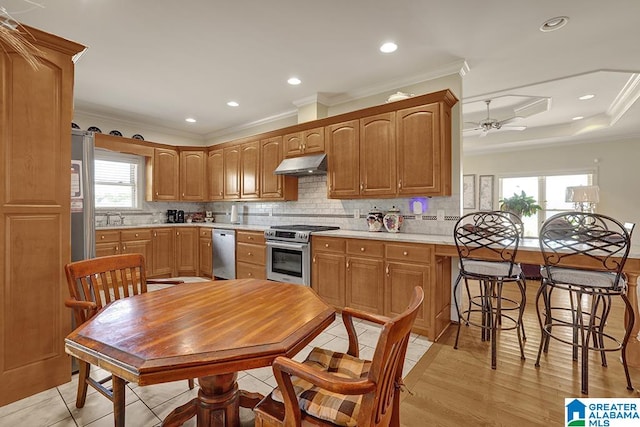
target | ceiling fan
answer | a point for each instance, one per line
(488, 124)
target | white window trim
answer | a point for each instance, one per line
(101, 154)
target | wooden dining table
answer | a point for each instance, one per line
(207, 330)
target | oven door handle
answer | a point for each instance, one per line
(286, 245)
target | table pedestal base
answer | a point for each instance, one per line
(217, 405)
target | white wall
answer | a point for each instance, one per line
(615, 164)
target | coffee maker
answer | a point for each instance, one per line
(172, 215)
(180, 216)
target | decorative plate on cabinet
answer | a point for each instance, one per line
(94, 129)
(115, 133)
(138, 136)
(74, 126)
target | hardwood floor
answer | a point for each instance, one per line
(458, 387)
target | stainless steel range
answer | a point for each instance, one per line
(289, 252)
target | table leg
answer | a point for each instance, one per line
(118, 385)
(217, 404)
(633, 346)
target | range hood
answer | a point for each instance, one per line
(304, 165)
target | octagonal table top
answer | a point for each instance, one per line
(200, 329)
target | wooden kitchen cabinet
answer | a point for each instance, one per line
(205, 252)
(107, 243)
(379, 276)
(231, 166)
(328, 269)
(362, 156)
(251, 253)
(186, 242)
(272, 186)
(192, 175)
(215, 175)
(378, 155)
(343, 157)
(138, 241)
(310, 141)
(35, 148)
(424, 150)
(163, 248)
(365, 275)
(408, 266)
(165, 184)
(249, 170)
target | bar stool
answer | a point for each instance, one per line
(601, 245)
(478, 236)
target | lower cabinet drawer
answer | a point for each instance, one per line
(246, 252)
(250, 271)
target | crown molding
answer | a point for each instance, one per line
(318, 98)
(625, 99)
(256, 123)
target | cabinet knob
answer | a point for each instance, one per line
(387, 270)
(248, 253)
(102, 236)
(405, 253)
(361, 186)
(177, 233)
(220, 193)
(400, 184)
(326, 245)
(361, 249)
(155, 234)
(124, 247)
(249, 237)
(136, 234)
(182, 194)
(347, 264)
(157, 194)
(116, 248)
(250, 274)
(208, 244)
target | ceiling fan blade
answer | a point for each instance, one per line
(484, 133)
(510, 119)
(512, 127)
(472, 129)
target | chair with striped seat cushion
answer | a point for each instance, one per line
(337, 389)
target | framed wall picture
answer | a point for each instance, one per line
(468, 191)
(485, 184)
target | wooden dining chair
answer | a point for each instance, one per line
(331, 388)
(94, 283)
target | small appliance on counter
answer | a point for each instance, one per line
(172, 216)
(375, 218)
(208, 216)
(393, 220)
(234, 215)
(180, 217)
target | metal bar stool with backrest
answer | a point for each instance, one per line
(600, 245)
(94, 283)
(478, 236)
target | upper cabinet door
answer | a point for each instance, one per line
(293, 144)
(378, 155)
(215, 175)
(421, 151)
(343, 156)
(249, 165)
(165, 174)
(270, 158)
(313, 141)
(192, 175)
(232, 172)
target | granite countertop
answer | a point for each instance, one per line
(526, 243)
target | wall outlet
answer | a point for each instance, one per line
(440, 215)
(356, 213)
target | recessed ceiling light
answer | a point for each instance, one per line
(294, 81)
(554, 23)
(232, 104)
(190, 120)
(388, 47)
(585, 97)
(578, 118)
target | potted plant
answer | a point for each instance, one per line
(520, 204)
(523, 206)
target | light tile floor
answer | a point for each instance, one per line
(148, 405)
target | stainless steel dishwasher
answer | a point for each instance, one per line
(224, 253)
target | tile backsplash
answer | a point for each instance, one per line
(313, 207)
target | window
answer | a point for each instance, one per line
(548, 190)
(118, 180)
